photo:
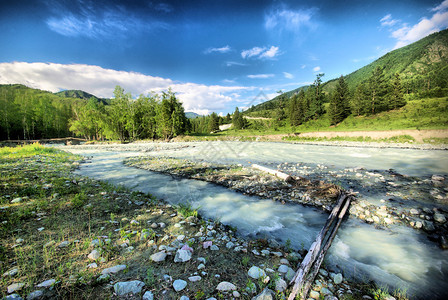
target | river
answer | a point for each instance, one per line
(399, 257)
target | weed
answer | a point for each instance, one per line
(186, 210)
(245, 261)
(79, 200)
(150, 279)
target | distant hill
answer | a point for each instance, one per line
(191, 115)
(422, 65)
(80, 95)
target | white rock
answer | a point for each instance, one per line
(148, 296)
(225, 286)
(12, 272)
(127, 287)
(17, 200)
(182, 256)
(15, 287)
(434, 177)
(94, 255)
(179, 285)
(201, 266)
(92, 266)
(314, 295)
(158, 257)
(46, 284)
(255, 272)
(194, 278)
(283, 269)
(236, 294)
(280, 285)
(184, 298)
(114, 269)
(337, 278)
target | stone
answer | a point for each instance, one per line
(128, 287)
(428, 226)
(283, 269)
(12, 272)
(255, 272)
(236, 294)
(376, 219)
(414, 211)
(15, 287)
(230, 245)
(20, 241)
(280, 285)
(114, 269)
(92, 266)
(94, 255)
(184, 298)
(182, 256)
(266, 294)
(290, 274)
(64, 244)
(179, 285)
(95, 243)
(437, 177)
(214, 248)
(47, 283)
(225, 286)
(194, 278)
(444, 242)
(314, 295)
(17, 200)
(35, 295)
(158, 257)
(13, 297)
(439, 218)
(326, 291)
(337, 279)
(201, 266)
(148, 295)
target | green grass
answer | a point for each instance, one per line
(394, 139)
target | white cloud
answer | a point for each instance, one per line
(224, 49)
(407, 34)
(271, 53)
(234, 63)
(101, 82)
(316, 69)
(261, 52)
(282, 18)
(288, 75)
(388, 21)
(260, 76)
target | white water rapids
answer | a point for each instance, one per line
(399, 257)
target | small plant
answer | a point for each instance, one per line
(150, 279)
(199, 295)
(186, 210)
(288, 245)
(380, 293)
(245, 261)
(79, 200)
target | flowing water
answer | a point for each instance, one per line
(399, 257)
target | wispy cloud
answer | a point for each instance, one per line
(288, 75)
(224, 49)
(316, 69)
(99, 23)
(406, 34)
(261, 52)
(234, 63)
(388, 21)
(282, 18)
(53, 77)
(260, 76)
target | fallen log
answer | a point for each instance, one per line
(308, 261)
(320, 259)
(279, 174)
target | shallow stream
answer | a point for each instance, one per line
(399, 257)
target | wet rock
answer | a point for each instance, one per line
(225, 286)
(437, 177)
(266, 294)
(47, 283)
(128, 287)
(158, 257)
(428, 226)
(444, 242)
(255, 272)
(15, 287)
(179, 285)
(414, 211)
(182, 256)
(114, 269)
(440, 218)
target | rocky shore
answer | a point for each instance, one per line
(316, 186)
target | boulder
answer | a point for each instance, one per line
(128, 287)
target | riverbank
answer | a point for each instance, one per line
(65, 236)
(306, 188)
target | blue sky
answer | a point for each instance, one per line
(214, 54)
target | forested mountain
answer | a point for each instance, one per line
(80, 95)
(422, 67)
(27, 113)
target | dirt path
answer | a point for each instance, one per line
(418, 135)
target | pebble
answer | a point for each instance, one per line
(314, 295)
(94, 255)
(225, 286)
(158, 257)
(148, 295)
(35, 295)
(13, 297)
(15, 287)
(63, 244)
(16, 200)
(127, 287)
(182, 256)
(47, 283)
(12, 272)
(280, 285)
(337, 278)
(179, 285)
(92, 266)
(440, 218)
(194, 278)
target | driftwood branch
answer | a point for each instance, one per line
(299, 278)
(279, 174)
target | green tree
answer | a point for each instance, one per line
(359, 102)
(377, 91)
(339, 107)
(316, 98)
(396, 99)
(213, 123)
(237, 119)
